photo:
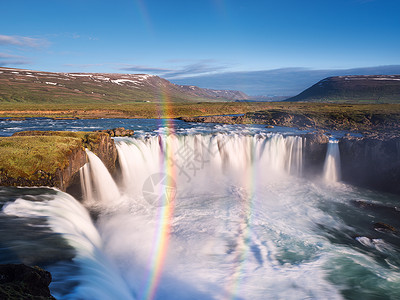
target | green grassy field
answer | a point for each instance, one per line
(34, 154)
(24, 156)
(354, 117)
(128, 110)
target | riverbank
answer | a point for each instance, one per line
(372, 120)
(128, 110)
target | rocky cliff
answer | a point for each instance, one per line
(51, 158)
(371, 162)
(315, 146)
(366, 162)
(377, 118)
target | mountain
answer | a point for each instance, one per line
(17, 85)
(370, 89)
(278, 82)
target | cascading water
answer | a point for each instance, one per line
(86, 183)
(103, 184)
(332, 172)
(98, 277)
(219, 154)
(243, 224)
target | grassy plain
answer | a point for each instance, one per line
(128, 110)
(32, 154)
(24, 156)
(356, 117)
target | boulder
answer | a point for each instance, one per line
(18, 282)
(117, 132)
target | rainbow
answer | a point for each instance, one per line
(142, 9)
(165, 213)
(236, 280)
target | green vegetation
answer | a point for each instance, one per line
(355, 117)
(128, 110)
(21, 86)
(353, 89)
(30, 155)
(35, 155)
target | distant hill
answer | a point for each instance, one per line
(369, 89)
(28, 86)
(278, 82)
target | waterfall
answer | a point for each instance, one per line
(104, 187)
(190, 156)
(242, 225)
(86, 183)
(219, 154)
(98, 277)
(332, 162)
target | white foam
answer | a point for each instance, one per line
(98, 277)
(106, 190)
(332, 171)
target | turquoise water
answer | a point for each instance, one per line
(246, 225)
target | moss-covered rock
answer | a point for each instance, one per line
(51, 158)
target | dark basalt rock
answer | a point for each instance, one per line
(315, 145)
(15, 119)
(384, 227)
(215, 119)
(391, 211)
(371, 162)
(20, 282)
(282, 118)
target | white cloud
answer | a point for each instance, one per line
(10, 59)
(22, 41)
(198, 68)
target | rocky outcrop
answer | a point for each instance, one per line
(283, 118)
(381, 120)
(118, 132)
(67, 174)
(18, 282)
(371, 162)
(315, 146)
(103, 146)
(215, 119)
(271, 117)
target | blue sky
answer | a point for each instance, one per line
(179, 39)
